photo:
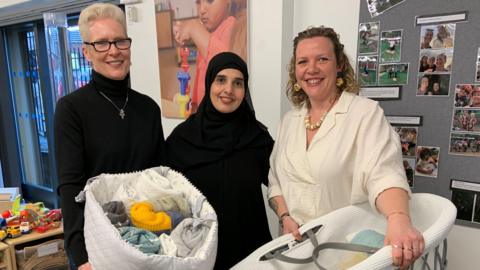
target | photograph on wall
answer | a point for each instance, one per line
(368, 35)
(408, 165)
(477, 73)
(465, 144)
(433, 84)
(367, 70)
(466, 120)
(393, 74)
(391, 46)
(427, 161)
(467, 96)
(377, 7)
(183, 54)
(437, 36)
(436, 61)
(463, 201)
(465, 197)
(408, 139)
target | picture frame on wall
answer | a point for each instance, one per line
(433, 84)
(465, 144)
(465, 195)
(377, 7)
(368, 37)
(367, 70)
(182, 62)
(427, 160)
(393, 74)
(467, 96)
(435, 61)
(391, 45)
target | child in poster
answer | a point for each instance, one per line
(211, 34)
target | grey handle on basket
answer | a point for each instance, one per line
(317, 248)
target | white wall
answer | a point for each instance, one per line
(272, 27)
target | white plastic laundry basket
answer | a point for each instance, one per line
(106, 250)
(431, 214)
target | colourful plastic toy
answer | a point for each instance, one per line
(183, 77)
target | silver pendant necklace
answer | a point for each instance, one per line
(121, 111)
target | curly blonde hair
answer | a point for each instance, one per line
(299, 98)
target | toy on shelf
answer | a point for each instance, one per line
(13, 231)
(183, 76)
(25, 227)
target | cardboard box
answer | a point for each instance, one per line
(7, 196)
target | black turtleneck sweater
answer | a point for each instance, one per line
(91, 138)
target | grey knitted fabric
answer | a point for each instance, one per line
(117, 214)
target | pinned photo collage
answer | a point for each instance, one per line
(427, 158)
(466, 198)
(408, 139)
(465, 131)
(379, 54)
(435, 59)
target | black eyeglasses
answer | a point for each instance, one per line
(104, 45)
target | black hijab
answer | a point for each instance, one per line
(209, 135)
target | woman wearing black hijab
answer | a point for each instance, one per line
(223, 150)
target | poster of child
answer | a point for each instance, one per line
(196, 30)
(427, 161)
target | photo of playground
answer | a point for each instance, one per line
(393, 74)
(368, 34)
(367, 70)
(466, 144)
(391, 46)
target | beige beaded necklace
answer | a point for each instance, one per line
(308, 123)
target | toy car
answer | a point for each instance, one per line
(25, 227)
(13, 231)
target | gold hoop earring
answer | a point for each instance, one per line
(296, 87)
(339, 82)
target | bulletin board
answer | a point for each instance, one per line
(457, 175)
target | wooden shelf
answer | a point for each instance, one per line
(6, 262)
(11, 243)
(25, 238)
(164, 29)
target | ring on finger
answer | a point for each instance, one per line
(407, 248)
(396, 246)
